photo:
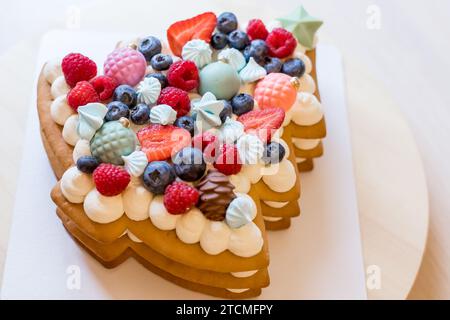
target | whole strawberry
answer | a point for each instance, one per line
(179, 197)
(177, 99)
(83, 93)
(77, 67)
(256, 30)
(183, 74)
(110, 180)
(227, 160)
(104, 86)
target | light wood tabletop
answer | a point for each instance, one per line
(397, 71)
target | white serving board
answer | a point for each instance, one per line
(318, 257)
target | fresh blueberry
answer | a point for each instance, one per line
(187, 123)
(189, 164)
(125, 94)
(257, 49)
(242, 103)
(226, 112)
(117, 110)
(161, 61)
(140, 114)
(238, 39)
(274, 152)
(219, 40)
(87, 164)
(272, 64)
(294, 67)
(157, 176)
(227, 22)
(149, 47)
(161, 78)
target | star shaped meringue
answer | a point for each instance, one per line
(207, 111)
(302, 25)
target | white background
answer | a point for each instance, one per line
(408, 56)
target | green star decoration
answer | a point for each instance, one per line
(302, 25)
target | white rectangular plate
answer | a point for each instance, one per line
(319, 257)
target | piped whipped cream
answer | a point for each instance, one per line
(307, 110)
(283, 178)
(70, 132)
(59, 87)
(305, 144)
(82, 148)
(52, 70)
(102, 209)
(75, 185)
(60, 111)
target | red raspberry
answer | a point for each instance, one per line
(104, 86)
(77, 67)
(177, 99)
(201, 141)
(228, 161)
(83, 93)
(256, 30)
(179, 197)
(183, 74)
(110, 180)
(281, 43)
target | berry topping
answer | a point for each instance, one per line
(77, 67)
(263, 122)
(274, 152)
(227, 160)
(125, 94)
(219, 40)
(140, 114)
(198, 27)
(83, 93)
(179, 197)
(238, 39)
(149, 47)
(294, 67)
(157, 176)
(257, 50)
(117, 110)
(242, 103)
(177, 99)
(226, 112)
(161, 142)
(87, 164)
(189, 164)
(256, 30)
(272, 64)
(110, 180)
(201, 141)
(281, 43)
(186, 122)
(183, 74)
(161, 78)
(161, 61)
(104, 86)
(227, 22)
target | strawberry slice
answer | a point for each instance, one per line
(198, 27)
(161, 142)
(263, 123)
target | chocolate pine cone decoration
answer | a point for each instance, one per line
(216, 193)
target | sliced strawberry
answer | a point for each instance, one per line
(263, 123)
(161, 142)
(198, 27)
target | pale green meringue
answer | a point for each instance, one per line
(233, 57)
(197, 51)
(148, 90)
(239, 212)
(207, 112)
(135, 163)
(90, 119)
(163, 114)
(252, 72)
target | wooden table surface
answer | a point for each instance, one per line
(396, 63)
